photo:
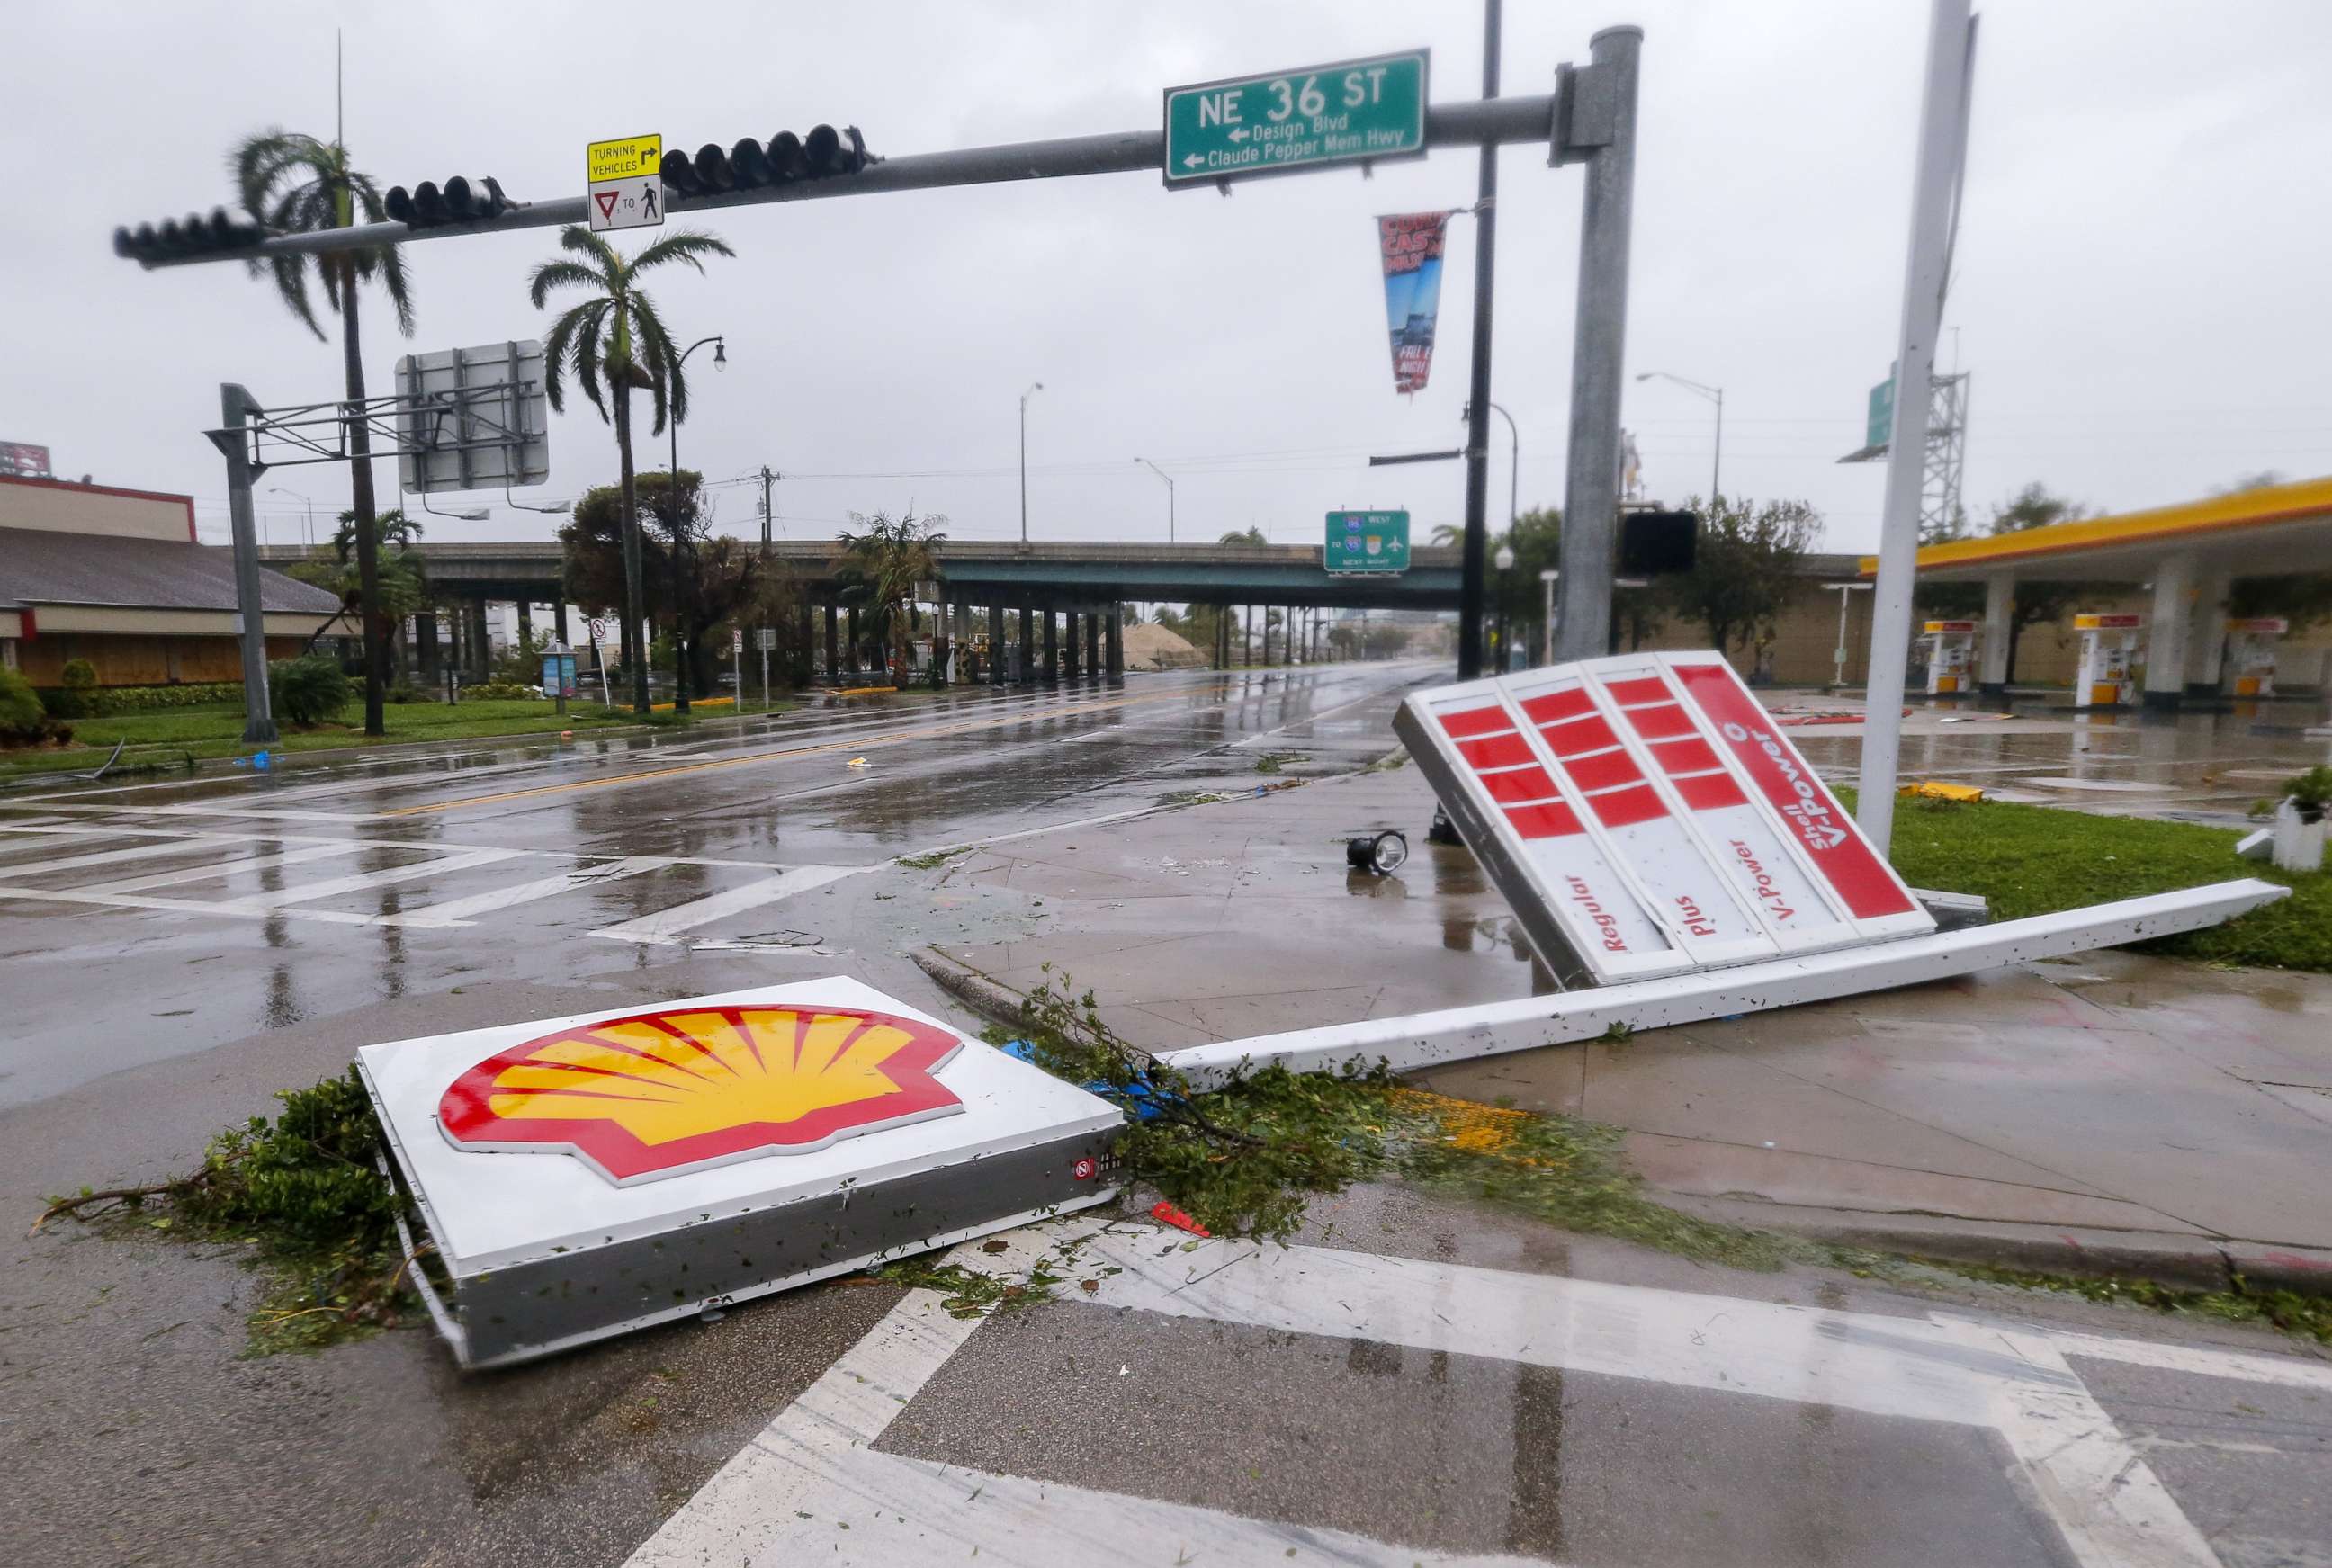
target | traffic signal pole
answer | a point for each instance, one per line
(1600, 131)
(1494, 122)
(1477, 407)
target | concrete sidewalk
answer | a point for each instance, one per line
(2113, 1112)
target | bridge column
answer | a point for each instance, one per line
(1999, 619)
(525, 624)
(1092, 642)
(807, 621)
(558, 620)
(424, 644)
(1028, 644)
(1052, 646)
(2206, 641)
(996, 659)
(850, 664)
(2174, 618)
(482, 642)
(833, 638)
(1070, 653)
(1116, 645)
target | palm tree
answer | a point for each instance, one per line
(887, 558)
(1448, 533)
(401, 586)
(295, 183)
(612, 343)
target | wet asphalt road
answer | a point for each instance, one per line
(1420, 1380)
(211, 909)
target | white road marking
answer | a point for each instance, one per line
(788, 1496)
(185, 905)
(363, 881)
(815, 1459)
(96, 857)
(462, 911)
(217, 868)
(667, 926)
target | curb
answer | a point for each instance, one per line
(991, 999)
(2185, 1261)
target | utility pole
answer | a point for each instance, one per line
(1478, 411)
(1943, 138)
(258, 714)
(1602, 132)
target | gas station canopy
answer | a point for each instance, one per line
(2189, 554)
(2279, 528)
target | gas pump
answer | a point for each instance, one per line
(2250, 654)
(1951, 654)
(2108, 649)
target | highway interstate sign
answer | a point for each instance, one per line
(1351, 112)
(1366, 543)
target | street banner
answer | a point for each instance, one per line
(1410, 245)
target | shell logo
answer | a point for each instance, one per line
(654, 1094)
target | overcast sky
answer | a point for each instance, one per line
(2140, 293)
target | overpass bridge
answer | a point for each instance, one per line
(979, 581)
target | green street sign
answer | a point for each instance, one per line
(1352, 111)
(1879, 428)
(1366, 542)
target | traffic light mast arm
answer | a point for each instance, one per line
(1493, 122)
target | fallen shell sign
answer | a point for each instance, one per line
(1644, 817)
(647, 1096)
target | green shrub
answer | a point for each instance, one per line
(23, 721)
(405, 691)
(308, 690)
(108, 701)
(498, 692)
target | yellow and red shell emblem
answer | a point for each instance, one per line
(655, 1093)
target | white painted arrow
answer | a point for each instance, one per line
(1193, 161)
(1240, 135)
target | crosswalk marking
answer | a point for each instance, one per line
(667, 926)
(217, 868)
(95, 858)
(462, 911)
(363, 881)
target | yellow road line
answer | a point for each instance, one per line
(925, 733)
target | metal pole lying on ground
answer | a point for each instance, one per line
(250, 614)
(1925, 273)
(1462, 1034)
(1602, 129)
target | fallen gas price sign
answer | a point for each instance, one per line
(1671, 857)
(584, 1176)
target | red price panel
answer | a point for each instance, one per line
(1641, 823)
(1738, 836)
(1475, 743)
(1807, 816)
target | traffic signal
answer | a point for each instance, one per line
(750, 165)
(458, 200)
(174, 239)
(1656, 543)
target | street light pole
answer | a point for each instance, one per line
(1477, 418)
(1033, 388)
(1713, 394)
(681, 602)
(1505, 563)
(1514, 464)
(309, 534)
(1170, 496)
